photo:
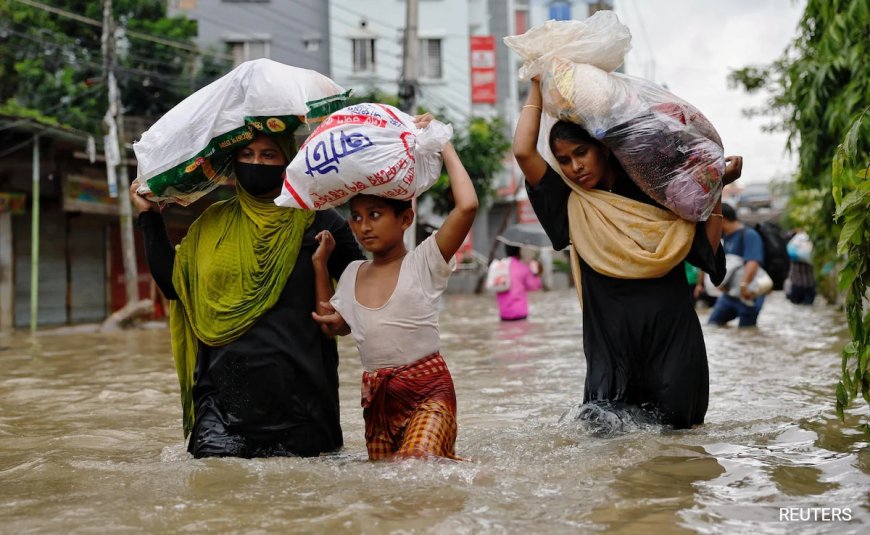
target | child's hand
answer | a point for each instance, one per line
(422, 121)
(331, 322)
(327, 245)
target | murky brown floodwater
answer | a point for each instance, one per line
(90, 441)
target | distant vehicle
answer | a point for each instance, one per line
(754, 197)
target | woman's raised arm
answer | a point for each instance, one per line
(525, 146)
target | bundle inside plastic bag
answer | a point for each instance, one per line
(190, 150)
(800, 248)
(761, 283)
(600, 40)
(666, 146)
(365, 148)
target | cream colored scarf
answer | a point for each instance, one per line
(623, 238)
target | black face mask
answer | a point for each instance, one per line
(259, 179)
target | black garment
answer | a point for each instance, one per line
(274, 391)
(642, 338)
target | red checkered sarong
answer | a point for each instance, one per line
(410, 411)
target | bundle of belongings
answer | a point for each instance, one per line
(190, 150)
(365, 148)
(666, 146)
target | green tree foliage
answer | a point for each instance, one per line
(819, 86)
(851, 193)
(372, 94)
(54, 64)
(481, 145)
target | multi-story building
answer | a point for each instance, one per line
(366, 39)
(294, 32)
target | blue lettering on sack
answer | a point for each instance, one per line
(323, 156)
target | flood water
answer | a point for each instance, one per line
(91, 442)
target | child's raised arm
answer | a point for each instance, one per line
(455, 228)
(525, 146)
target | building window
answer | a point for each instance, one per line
(311, 43)
(430, 59)
(560, 11)
(247, 50)
(363, 55)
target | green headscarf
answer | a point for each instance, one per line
(229, 269)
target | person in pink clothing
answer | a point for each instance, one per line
(513, 304)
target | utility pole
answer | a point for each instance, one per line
(116, 156)
(34, 241)
(408, 86)
(410, 58)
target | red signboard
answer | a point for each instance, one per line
(483, 69)
(525, 212)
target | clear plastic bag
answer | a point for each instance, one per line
(498, 276)
(666, 146)
(364, 148)
(600, 40)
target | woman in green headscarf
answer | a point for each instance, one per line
(258, 378)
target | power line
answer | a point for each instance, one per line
(129, 33)
(170, 79)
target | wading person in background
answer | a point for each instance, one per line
(745, 242)
(801, 288)
(513, 304)
(241, 283)
(642, 339)
(390, 306)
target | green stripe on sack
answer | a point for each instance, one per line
(211, 164)
(324, 106)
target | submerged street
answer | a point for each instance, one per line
(91, 441)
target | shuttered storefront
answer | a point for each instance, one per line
(52, 269)
(72, 269)
(86, 246)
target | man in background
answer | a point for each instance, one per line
(746, 243)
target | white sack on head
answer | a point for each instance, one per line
(366, 148)
(600, 40)
(189, 151)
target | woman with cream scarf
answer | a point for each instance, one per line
(258, 378)
(642, 339)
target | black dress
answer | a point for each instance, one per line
(273, 391)
(642, 338)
